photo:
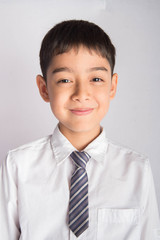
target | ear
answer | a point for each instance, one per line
(42, 88)
(113, 85)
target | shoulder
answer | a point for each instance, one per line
(30, 150)
(37, 144)
(126, 163)
(126, 155)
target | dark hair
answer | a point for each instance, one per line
(73, 33)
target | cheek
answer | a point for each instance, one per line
(103, 98)
(58, 101)
(103, 102)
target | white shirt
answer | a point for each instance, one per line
(34, 192)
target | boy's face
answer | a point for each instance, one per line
(79, 89)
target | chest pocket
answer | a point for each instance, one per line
(118, 224)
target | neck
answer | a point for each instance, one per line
(80, 140)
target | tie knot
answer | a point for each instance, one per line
(80, 158)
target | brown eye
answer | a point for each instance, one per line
(97, 80)
(64, 81)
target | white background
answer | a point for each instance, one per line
(134, 27)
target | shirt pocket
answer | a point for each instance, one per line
(118, 224)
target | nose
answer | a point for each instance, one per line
(81, 93)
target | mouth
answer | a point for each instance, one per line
(81, 111)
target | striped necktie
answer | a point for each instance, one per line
(78, 205)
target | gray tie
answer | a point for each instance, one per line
(78, 205)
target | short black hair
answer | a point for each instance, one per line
(71, 34)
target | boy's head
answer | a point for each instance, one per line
(72, 34)
(77, 60)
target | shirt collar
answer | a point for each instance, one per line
(62, 148)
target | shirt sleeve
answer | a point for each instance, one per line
(8, 201)
(150, 216)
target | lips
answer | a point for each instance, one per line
(81, 111)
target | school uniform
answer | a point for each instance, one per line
(35, 191)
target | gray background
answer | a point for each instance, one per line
(134, 27)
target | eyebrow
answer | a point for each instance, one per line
(65, 69)
(98, 69)
(62, 69)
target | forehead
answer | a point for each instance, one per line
(81, 57)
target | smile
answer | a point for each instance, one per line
(81, 111)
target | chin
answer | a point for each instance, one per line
(82, 128)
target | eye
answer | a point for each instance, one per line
(97, 80)
(64, 81)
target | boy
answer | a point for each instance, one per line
(76, 183)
